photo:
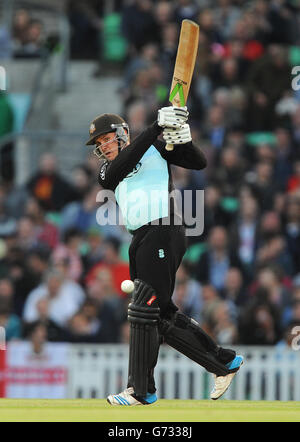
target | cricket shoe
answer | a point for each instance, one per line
(127, 397)
(222, 382)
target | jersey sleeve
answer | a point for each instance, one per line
(112, 173)
(188, 156)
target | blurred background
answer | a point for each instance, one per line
(67, 61)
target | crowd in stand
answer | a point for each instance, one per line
(241, 278)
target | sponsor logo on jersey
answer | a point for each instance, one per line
(103, 170)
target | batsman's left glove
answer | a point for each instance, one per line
(177, 135)
(172, 116)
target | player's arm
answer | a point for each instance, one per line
(185, 153)
(111, 174)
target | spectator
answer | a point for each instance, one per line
(95, 249)
(27, 273)
(69, 252)
(14, 199)
(168, 49)
(148, 54)
(63, 298)
(111, 261)
(82, 179)
(214, 264)
(215, 128)
(214, 213)
(292, 230)
(8, 224)
(86, 20)
(36, 333)
(264, 91)
(211, 300)
(139, 24)
(186, 9)
(32, 45)
(20, 25)
(85, 325)
(244, 233)
(6, 127)
(48, 187)
(44, 231)
(259, 322)
(263, 186)
(226, 16)
(283, 164)
(223, 325)
(207, 25)
(278, 294)
(234, 290)
(188, 293)
(81, 215)
(293, 184)
(10, 321)
(26, 233)
(295, 126)
(230, 173)
(111, 309)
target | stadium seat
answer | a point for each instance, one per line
(114, 45)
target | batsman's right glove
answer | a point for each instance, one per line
(172, 116)
(177, 136)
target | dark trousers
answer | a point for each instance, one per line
(155, 254)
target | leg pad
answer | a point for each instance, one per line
(143, 315)
(187, 337)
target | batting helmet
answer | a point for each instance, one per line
(105, 123)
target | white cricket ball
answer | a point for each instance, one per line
(127, 286)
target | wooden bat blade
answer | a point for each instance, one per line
(184, 65)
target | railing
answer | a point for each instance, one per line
(268, 374)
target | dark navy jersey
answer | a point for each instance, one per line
(141, 176)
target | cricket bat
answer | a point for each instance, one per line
(184, 65)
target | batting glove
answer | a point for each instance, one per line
(177, 136)
(172, 116)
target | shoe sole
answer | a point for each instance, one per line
(216, 398)
(129, 405)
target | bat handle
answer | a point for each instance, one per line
(169, 147)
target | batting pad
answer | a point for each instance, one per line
(143, 315)
(186, 336)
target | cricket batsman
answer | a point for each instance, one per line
(157, 247)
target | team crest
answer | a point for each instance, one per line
(135, 169)
(103, 170)
(92, 128)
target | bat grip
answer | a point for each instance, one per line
(169, 147)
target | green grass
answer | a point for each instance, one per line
(96, 410)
